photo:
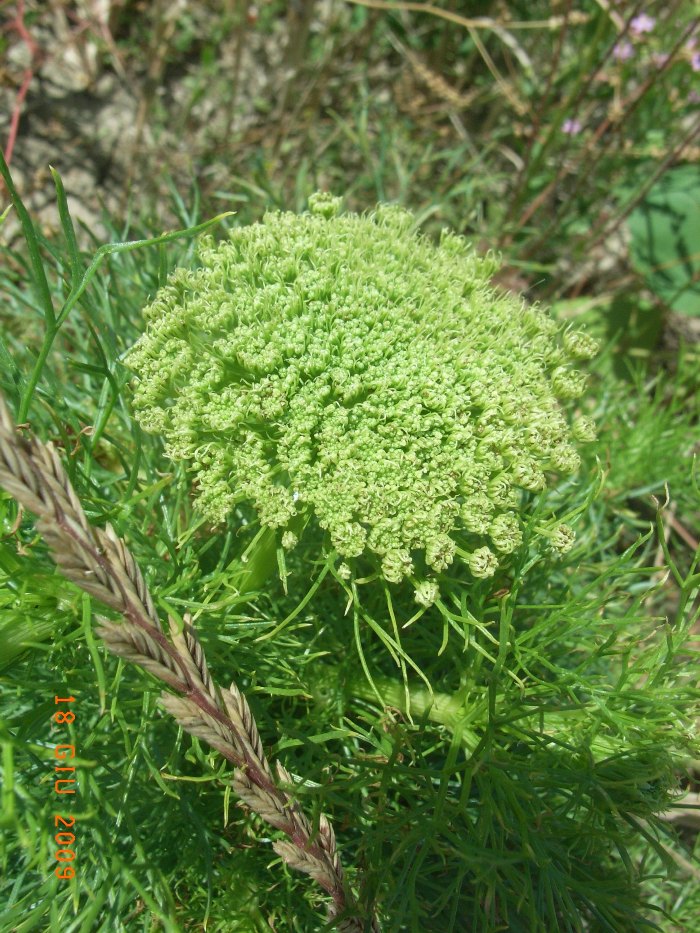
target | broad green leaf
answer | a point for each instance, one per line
(665, 231)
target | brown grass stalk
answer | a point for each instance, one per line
(100, 563)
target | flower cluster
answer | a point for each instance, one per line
(642, 23)
(344, 369)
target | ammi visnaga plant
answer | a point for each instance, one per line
(344, 372)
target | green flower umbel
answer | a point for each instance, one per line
(345, 368)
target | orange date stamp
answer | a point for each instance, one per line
(64, 783)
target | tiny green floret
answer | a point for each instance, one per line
(562, 539)
(345, 370)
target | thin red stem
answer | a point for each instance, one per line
(18, 25)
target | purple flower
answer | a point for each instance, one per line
(623, 51)
(571, 127)
(641, 24)
(660, 59)
(695, 61)
(694, 97)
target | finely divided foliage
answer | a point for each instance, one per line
(342, 368)
(100, 563)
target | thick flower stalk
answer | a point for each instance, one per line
(344, 370)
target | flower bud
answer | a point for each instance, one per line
(562, 539)
(527, 474)
(348, 539)
(476, 514)
(505, 532)
(427, 592)
(568, 383)
(584, 430)
(396, 565)
(482, 563)
(579, 345)
(565, 458)
(440, 552)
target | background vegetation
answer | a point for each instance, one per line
(555, 790)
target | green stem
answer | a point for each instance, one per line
(465, 715)
(444, 709)
(259, 560)
(35, 375)
(256, 564)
